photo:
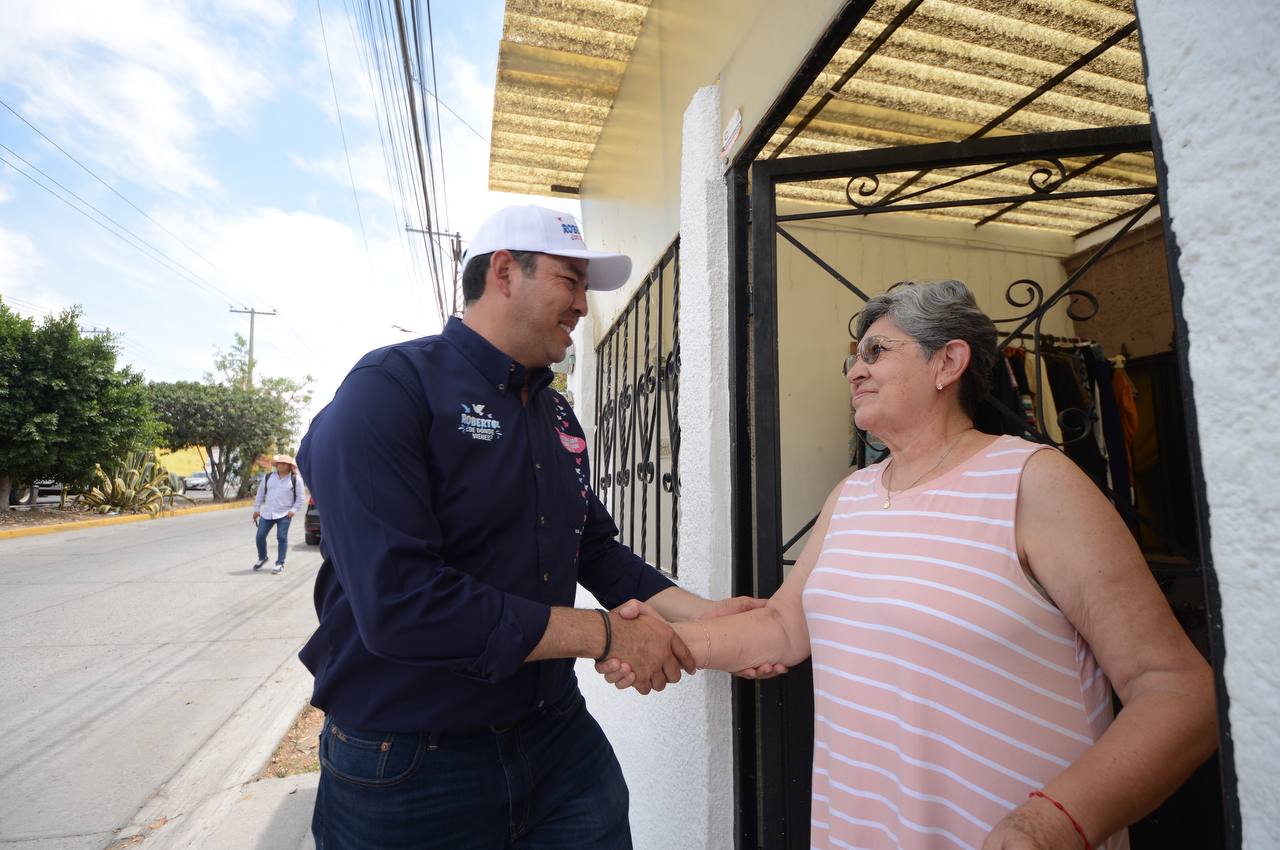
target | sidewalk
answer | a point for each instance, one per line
(270, 814)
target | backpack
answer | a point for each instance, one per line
(293, 482)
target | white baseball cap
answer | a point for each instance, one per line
(548, 231)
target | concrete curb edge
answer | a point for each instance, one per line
(54, 528)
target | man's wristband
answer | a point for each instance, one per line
(608, 634)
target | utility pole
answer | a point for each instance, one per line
(455, 249)
(253, 314)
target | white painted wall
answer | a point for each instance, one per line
(676, 747)
(1212, 71)
(814, 312)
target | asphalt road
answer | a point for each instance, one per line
(124, 651)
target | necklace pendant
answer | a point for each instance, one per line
(885, 505)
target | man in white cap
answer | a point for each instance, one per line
(280, 496)
(458, 520)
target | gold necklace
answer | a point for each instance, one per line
(888, 484)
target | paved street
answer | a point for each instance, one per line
(127, 652)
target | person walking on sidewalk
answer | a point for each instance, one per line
(280, 496)
(459, 518)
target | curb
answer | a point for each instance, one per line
(54, 528)
(195, 801)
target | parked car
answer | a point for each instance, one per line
(196, 481)
(46, 487)
(311, 523)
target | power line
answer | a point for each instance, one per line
(395, 185)
(159, 256)
(461, 120)
(333, 85)
(113, 189)
(435, 84)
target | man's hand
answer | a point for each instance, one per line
(648, 647)
(255, 517)
(290, 515)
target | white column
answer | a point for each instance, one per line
(676, 748)
(1212, 70)
(705, 527)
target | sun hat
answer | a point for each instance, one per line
(548, 231)
(285, 459)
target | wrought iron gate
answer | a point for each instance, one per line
(637, 451)
(1046, 164)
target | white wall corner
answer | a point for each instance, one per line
(705, 527)
(1211, 74)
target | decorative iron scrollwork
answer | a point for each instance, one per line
(1045, 179)
(868, 185)
(637, 440)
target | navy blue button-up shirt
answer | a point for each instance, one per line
(454, 516)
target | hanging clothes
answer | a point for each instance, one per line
(1017, 358)
(1005, 415)
(1126, 396)
(1049, 410)
(1067, 377)
(1117, 450)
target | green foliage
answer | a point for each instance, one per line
(231, 422)
(139, 484)
(64, 406)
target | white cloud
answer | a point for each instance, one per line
(18, 260)
(130, 83)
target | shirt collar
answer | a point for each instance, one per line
(505, 374)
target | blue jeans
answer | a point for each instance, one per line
(550, 782)
(282, 537)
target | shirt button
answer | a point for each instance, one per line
(546, 577)
(502, 387)
(542, 520)
(541, 703)
(537, 466)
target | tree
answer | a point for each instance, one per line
(232, 423)
(63, 404)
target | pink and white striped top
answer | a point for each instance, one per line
(946, 688)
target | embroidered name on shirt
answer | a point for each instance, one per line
(479, 425)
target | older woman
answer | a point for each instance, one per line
(969, 605)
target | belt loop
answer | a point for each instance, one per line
(433, 741)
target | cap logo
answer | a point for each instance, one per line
(570, 229)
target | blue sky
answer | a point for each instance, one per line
(217, 119)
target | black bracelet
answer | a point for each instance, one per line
(608, 635)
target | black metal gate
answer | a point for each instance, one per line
(776, 763)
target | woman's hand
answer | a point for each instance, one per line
(1035, 825)
(619, 673)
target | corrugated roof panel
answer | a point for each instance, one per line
(953, 66)
(560, 63)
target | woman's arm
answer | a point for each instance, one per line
(774, 634)
(1078, 549)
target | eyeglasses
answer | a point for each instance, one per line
(870, 348)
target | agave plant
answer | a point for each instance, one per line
(138, 485)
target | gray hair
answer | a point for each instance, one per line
(933, 314)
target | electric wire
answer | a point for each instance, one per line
(435, 84)
(181, 268)
(113, 189)
(158, 257)
(345, 150)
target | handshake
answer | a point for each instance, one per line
(647, 653)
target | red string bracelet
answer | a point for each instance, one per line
(1063, 809)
